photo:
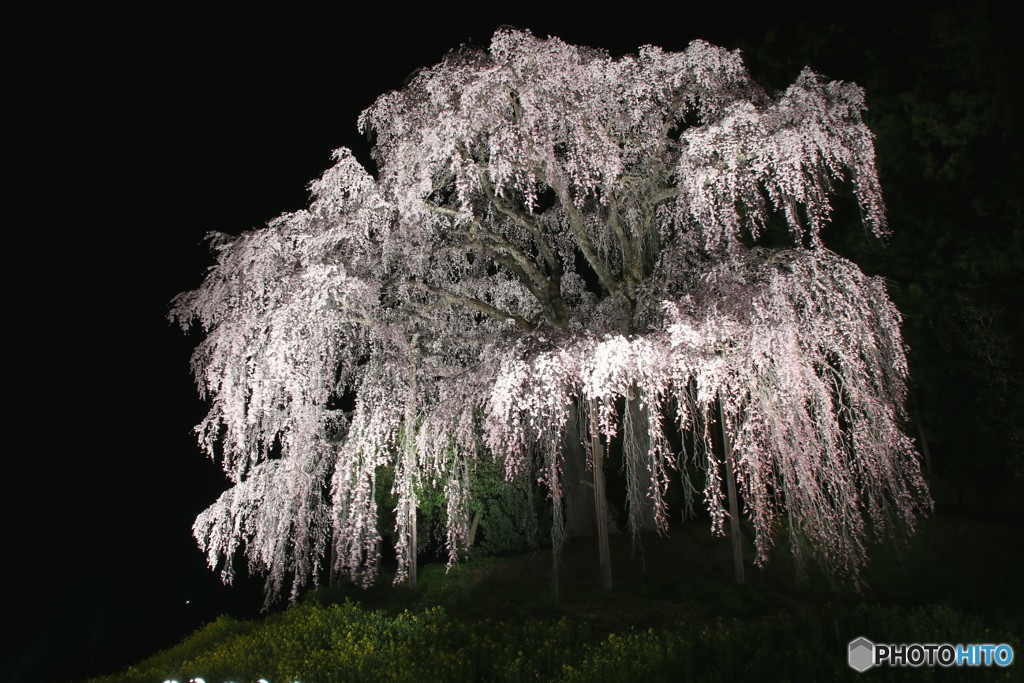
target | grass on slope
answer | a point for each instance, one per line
(675, 614)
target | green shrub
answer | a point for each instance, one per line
(346, 642)
(508, 511)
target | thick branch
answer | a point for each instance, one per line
(475, 304)
(663, 194)
(477, 242)
(528, 268)
(527, 222)
(579, 231)
(630, 262)
(546, 290)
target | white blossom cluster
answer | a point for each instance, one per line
(556, 233)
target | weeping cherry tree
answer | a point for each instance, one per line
(555, 237)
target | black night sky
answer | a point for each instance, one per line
(152, 138)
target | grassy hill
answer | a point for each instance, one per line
(675, 614)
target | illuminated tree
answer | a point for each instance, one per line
(556, 237)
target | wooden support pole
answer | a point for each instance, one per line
(410, 465)
(412, 546)
(331, 573)
(600, 510)
(734, 508)
(471, 537)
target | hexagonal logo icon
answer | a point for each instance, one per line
(862, 654)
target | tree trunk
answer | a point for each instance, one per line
(734, 511)
(577, 492)
(600, 510)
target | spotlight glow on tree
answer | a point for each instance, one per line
(558, 236)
